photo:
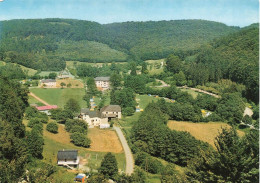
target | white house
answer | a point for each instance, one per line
(102, 83)
(111, 111)
(49, 83)
(68, 158)
(94, 118)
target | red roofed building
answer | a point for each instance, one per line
(46, 108)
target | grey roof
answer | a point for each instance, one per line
(92, 114)
(111, 108)
(48, 80)
(67, 154)
(102, 78)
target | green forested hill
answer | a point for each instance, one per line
(234, 57)
(41, 43)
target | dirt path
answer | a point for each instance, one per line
(37, 98)
(128, 154)
(163, 83)
(201, 91)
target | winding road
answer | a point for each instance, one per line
(128, 154)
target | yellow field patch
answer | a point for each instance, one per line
(206, 132)
(62, 136)
(74, 83)
(104, 140)
(101, 140)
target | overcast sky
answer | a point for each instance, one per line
(231, 12)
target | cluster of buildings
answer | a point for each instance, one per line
(101, 117)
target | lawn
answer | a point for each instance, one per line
(32, 100)
(193, 93)
(206, 132)
(154, 66)
(55, 96)
(46, 73)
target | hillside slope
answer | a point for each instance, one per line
(40, 43)
(234, 57)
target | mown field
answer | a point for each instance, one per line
(206, 132)
(58, 96)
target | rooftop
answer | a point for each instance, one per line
(111, 108)
(67, 154)
(92, 114)
(48, 80)
(47, 107)
(102, 78)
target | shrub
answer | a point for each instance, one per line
(128, 111)
(247, 120)
(52, 127)
(77, 128)
(75, 122)
(34, 121)
(80, 139)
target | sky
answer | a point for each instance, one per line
(231, 12)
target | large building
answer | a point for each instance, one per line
(101, 118)
(94, 118)
(102, 83)
(68, 158)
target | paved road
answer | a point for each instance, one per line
(128, 154)
(37, 98)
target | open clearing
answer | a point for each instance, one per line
(206, 132)
(103, 140)
(57, 96)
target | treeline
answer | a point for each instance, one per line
(233, 57)
(40, 39)
(151, 135)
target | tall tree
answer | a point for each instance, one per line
(72, 105)
(109, 166)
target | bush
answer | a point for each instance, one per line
(70, 123)
(128, 111)
(148, 163)
(38, 128)
(34, 121)
(77, 128)
(80, 139)
(247, 120)
(52, 127)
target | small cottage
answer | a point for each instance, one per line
(68, 158)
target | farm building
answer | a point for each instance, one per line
(49, 83)
(102, 83)
(68, 158)
(46, 108)
(64, 75)
(94, 118)
(111, 111)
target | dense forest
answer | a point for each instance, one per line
(45, 43)
(233, 57)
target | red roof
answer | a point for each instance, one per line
(47, 107)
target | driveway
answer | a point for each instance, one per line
(128, 154)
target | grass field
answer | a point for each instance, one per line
(92, 158)
(193, 93)
(55, 96)
(46, 73)
(32, 100)
(206, 132)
